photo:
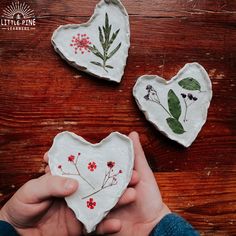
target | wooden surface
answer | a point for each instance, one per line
(41, 95)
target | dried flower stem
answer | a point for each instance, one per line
(107, 177)
(159, 103)
(78, 173)
(186, 107)
(186, 110)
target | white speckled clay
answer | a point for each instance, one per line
(100, 46)
(177, 108)
(103, 171)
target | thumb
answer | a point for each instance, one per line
(140, 161)
(47, 186)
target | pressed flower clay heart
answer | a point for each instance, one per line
(103, 171)
(100, 46)
(178, 108)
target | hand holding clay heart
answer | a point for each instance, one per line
(103, 171)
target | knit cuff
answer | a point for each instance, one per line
(6, 229)
(173, 225)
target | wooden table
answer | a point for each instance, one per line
(41, 95)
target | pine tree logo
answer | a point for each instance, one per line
(18, 16)
(18, 11)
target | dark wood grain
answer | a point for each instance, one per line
(41, 95)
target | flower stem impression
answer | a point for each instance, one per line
(106, 42)
(152, 96)
(110, 179)
(74, 161)
(189, 99)
(174, 111)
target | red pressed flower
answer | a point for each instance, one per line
(71, 158)
(120, 171)
(110, 164)
(90, 203)
(80, 42)
(92, 166)
(59, 167)
(79, 153)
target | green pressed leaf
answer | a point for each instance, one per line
(114, 35)
(175, 125)
(174, 104)
(190, 83)
(109, 66)
(105, 35)
(106, 21)
(95, 51)
(114, 51)
(101, 38)
(106, 28)
(96, 63)
(109, 32)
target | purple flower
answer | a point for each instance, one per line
(149, 87)
(194, 98)
(183, 95)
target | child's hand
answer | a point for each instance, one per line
(38, 208)
(35, 209)
(141, 216)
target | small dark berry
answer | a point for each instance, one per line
(146, 97)
(194, 98)
(183, 95)
(190, 96)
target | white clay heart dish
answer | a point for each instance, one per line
(103, 171)
(178, 108)
(100, 46)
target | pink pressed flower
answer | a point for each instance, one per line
(92, 166)
(71, 158)
(80, 42)
(110, 164)
(90, 203)
(59, 167)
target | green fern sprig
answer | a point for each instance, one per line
(106, 42)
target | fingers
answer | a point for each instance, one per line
(109, 226)
(140, 162)
(138, 151)
(47, 186)
(73, 225)
(134, 179)
(47, 169)
(128, 197)
(45, 157)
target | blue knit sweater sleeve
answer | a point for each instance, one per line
(7, 230)
(170, 225)
(173, 225)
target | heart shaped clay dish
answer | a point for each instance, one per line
(103, 171)
(177, 108)
(100, 46)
